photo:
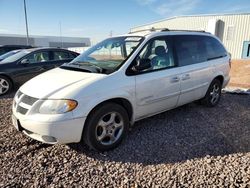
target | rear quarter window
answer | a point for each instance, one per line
(60, 55)
(72, 55)
(214, 48)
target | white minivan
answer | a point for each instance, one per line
(97, 96)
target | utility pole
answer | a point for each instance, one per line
(26, 21)
(60, 25)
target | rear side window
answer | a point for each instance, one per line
(60, 55)
(214, 48)
(38, 57)
(190, 49)
(72, 55)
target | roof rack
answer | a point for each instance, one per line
(149, 29)
(152, 29)
(185, 30)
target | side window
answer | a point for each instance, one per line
(160, 53)
(130, 46)
(38, 57)
(60, 55)
(72, 56)
(214, 48)
(190, 49)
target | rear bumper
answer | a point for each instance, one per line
(68, 131)
(226, 81)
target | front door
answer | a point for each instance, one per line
(157, 88)
(36, 63)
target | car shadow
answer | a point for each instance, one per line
(188, 132)
(9, 95)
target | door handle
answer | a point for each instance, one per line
(186, 77)
(175, 79)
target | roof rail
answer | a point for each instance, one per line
(152, 29)
(185, 30)
(149, 29)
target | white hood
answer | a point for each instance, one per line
(50, 82)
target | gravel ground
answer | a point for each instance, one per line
(191, 146)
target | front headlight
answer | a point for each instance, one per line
(57, 106)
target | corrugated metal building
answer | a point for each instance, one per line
(232, 29)
(44, 41)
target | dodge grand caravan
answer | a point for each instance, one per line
(98, 95)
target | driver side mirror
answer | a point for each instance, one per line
(141, 64)
(25, 61)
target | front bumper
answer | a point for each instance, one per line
(67, 131)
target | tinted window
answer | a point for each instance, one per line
(190, 49)
(160, 53)
(214, 48)
(38, 57)
(60, 55)
(72, 55)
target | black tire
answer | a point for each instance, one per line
(5, 82)
(210, 99)
(93, 129)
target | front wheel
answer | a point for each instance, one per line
(213, 94)
(5, 85)
(106, 127)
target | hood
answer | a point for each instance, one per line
(55, 80)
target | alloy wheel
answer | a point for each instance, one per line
(109, 128)
(215, 93)
(4, 86)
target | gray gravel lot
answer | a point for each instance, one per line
(191, 146)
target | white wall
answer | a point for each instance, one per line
(234, 44)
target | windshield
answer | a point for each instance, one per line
(8, 54)
(106, 56)
(15, 56)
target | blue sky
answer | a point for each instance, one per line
(96, 18)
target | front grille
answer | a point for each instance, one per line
(28, 100)
(21, 110)
(23, 102)
(19, 93)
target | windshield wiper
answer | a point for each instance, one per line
(85, 63)
(83, 66)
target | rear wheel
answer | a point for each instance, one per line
(106, 127)
(213, 94)
(5, 85)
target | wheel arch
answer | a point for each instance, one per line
(125, 103)
(220, 78)
(7, 76)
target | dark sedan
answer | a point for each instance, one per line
(26, 64)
